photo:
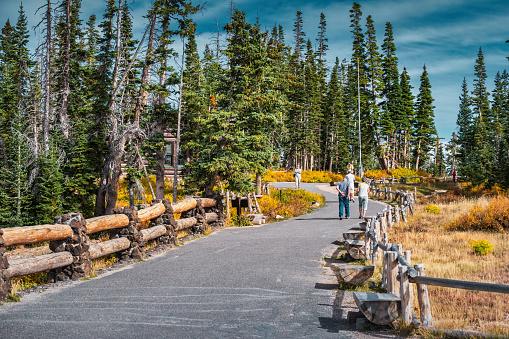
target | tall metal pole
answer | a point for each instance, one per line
(361, 173)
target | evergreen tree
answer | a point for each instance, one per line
(391, 95)
(236, 134)
(375, 85)
(423, 123)
(404, 123)
(464, 124)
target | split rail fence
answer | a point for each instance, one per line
(398, 273)
(72, 252)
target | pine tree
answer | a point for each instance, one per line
(375, 85)
(16, 156)
(404, 126)
(483, 126)
(464, 124)
(313, 109)
(424, 125)
(236, 134)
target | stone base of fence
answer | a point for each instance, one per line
(5, 281)
(131, 232)
(77, 245)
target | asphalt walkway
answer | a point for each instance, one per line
(251, 282)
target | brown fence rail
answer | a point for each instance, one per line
(72, 251)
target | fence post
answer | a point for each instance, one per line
(389, 218)
(383, 228)
(228, 203)
(367, 241)
(77, 245)
(406, 295)
(396, 214)
(5, 281)
(423, 298)
(392, 272)
(403, 213)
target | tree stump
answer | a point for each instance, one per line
(379, 308)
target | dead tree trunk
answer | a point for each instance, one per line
(47, 91)
(64, 118)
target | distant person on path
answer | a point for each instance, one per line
(349, 167)
(351, 181)
(454, 176)
(343, 189)
(296, 173)
(362, 195)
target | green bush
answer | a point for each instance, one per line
(481, 247)
(432, 209)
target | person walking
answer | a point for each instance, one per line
(343, 189)
(349, 167)
(362, 195)
(351, 181)
(296, 173)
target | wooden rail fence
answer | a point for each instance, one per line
(72, 251)
(398, 273)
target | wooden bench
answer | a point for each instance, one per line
(379, 308)
(354, 235)
(355, 274)
(355, 248)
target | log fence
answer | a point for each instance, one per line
(72, 252)
(398, 273)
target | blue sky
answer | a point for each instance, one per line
(445, 35)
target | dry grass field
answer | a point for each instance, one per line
(447, 253)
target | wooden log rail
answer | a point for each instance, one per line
(68, 239)
(398, 273)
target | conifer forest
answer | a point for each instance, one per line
(94, 95)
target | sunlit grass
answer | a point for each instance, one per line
(448, 254)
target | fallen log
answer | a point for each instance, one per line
(108, 247)
(33, 234)
(20, 267)
(184, 205)
(153, 232)
(106, 222)
(151, 212)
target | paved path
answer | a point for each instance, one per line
(251, 282)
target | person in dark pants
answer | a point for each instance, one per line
(343, 189)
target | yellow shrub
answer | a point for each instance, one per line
(288, 202)
(377, 174)
(306, 176)
(481, 247)
(493, 217)
(403, 172)
(278, 176)
(432, 209)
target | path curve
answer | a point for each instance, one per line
(251, 282)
